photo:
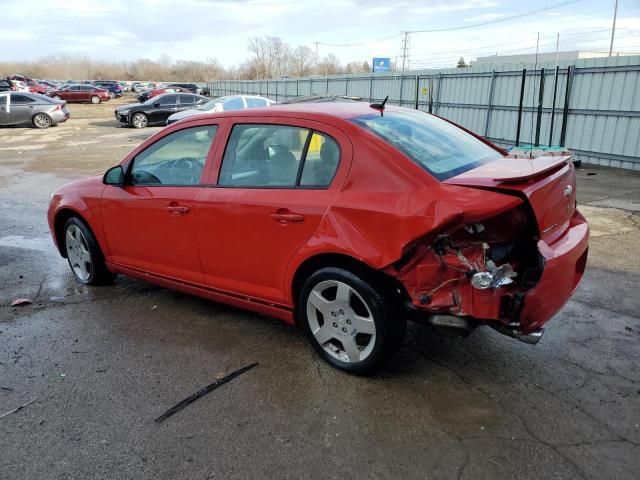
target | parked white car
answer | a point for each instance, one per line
(223, 104)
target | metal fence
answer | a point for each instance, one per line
(591, 106)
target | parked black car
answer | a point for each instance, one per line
(6, 86)
(157, 109)
(192, 87)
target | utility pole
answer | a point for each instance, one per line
(405, 50)
(613, 28)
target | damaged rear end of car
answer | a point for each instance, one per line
(507, 247)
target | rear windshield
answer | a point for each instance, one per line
(439, 147)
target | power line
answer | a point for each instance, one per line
(498, 20)
(462, 27)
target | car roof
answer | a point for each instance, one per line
(335, 110)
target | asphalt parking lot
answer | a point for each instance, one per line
(103, 363)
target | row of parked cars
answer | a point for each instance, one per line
(166, 107)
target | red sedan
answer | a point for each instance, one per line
(345, 219)
(80, 94)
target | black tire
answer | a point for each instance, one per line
(388, 317)
(99, 274)
(41, 120)
(139, 120)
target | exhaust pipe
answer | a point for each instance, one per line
(512, 331)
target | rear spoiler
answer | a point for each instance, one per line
(537, 166)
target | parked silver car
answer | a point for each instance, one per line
(223, 104)
(22, 108)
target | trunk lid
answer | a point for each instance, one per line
(547, 183)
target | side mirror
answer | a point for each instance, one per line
(114, 176)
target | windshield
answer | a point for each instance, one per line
(439, 147)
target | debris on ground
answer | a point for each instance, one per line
(18, 302)
(203, 392)
(6, 388)
(19, 408)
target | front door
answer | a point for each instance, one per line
(5, 108)
(150, 222)
(275, 184)
(167, 105)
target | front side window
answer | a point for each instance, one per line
(168, 101)
(177, 159)
(278, 156)
(439, 147)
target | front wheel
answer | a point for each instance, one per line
(139, 120)
(350, 320)
(84, 254)
(95, 99)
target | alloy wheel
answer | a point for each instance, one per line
(139, 120)
(78, 253)
(42, 121)
(95, 99)
(341, 321)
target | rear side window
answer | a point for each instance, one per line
(177, 159)
(439, 147)
(233, 104)
(321, 163)
(21, 99)
(278, 156)
(255, 102)
(187, 99)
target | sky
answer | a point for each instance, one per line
(354, 30)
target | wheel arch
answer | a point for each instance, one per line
(60, 219)
(339, 260)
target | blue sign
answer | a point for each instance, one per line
(381, 64)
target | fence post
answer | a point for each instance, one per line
(438, 93)
(431, 93)
(346, 86)
(401, 85)
(522, 83)
(417, 91)
(540, 100)
(489, 103)
(297, 87)
(553, 106)
(371, 89)
(327, 88)
(565, 110)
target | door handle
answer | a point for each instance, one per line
(177, 209)
(287, 217)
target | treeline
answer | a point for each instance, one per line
(269, 57)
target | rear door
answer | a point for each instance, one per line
(273, 185)
(186, 102)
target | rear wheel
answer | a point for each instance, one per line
(349, 320)
(84, 255)
(139, 120)
(95, 99)
(57, 97)
(42, 120)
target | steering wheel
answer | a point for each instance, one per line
(183, 167)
